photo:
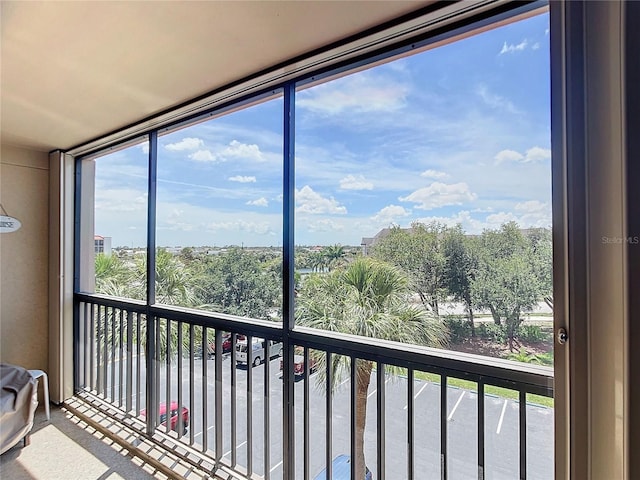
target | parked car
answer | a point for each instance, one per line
(341, 470)
(226, 344)
(162, 411)
(298, 363)
(257, 350)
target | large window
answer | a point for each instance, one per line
(438, 163)
(421, 202)
(423, 215)
(115, 226)
(219, 214)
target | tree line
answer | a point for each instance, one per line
(505, 271)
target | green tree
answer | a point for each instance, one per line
(368, 298)
(318, 261)
(236, 282)
(112, 275)
(542, 261)
(334, 256)
(506, 282)
(419, 252)
(461, 264)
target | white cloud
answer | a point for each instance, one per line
(144, 147)
(237, 149)
(324, 225)
(512, 48)
(508, 156)
(539, 216)
(439, 195)
(464, 218)
(494, 100)
(535, 46)
(309, 201)
(351, 182)
(435, 174)
(260, 228)
(242, 179)
(175, 221)
(260, 202)
(532, 206)
(187, 143)
(496, 219)
(537, 154)
(534, 154)
(203, 156)
(534, 213)
(120, 200)
(361, 92)
(390, 214)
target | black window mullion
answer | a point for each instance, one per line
(288, 323)
(151, 282)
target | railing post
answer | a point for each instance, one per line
(481, 429)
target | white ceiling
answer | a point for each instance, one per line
(73, 71)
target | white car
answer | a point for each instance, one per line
(257, 350)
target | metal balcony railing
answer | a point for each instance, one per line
(210, 386)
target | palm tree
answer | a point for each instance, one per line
(368, 298)
(334, 255)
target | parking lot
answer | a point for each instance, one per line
(501, 425)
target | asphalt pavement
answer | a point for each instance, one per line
(501, 425)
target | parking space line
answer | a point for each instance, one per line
(237, 446)
(375, 389)
(276, 466)
(200, 433)
(504, 409)
(416, 395)
(455, 407)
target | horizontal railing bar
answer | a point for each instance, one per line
(491, 371)
(510, 374)
(107, 301)
(222, 321)
(192, 316)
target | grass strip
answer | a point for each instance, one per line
(488, 389)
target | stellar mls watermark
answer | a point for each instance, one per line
(621, 240)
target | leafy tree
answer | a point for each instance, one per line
(419, 252)
(188, 255)
(318, 261)
(506, 282)
(236, 282)
(334, 256)
(175, 284)
(112, 276)
(461, 264)
(369, 298)
(542, 261)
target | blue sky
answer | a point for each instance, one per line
(457, 134)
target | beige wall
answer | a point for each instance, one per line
(24, 263)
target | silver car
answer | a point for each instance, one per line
(257, 350)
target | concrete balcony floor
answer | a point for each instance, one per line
(81, 443)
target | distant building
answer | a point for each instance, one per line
(368, 242)
(102, 244)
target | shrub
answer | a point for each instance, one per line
(533, 334)
(459, 329)
(492, 332)
(545, 358)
